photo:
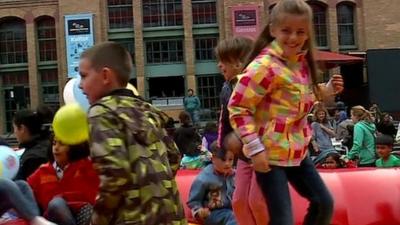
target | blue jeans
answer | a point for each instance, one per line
(59, 212)
(194, 115)
(307, 182)
(18, 195)
(221, 217)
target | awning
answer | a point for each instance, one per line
(330, 60)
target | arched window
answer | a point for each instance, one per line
(13, 41)
(345, 21)
(320, 28)
(120, 14)
(46, 35)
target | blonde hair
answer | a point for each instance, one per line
(233, 49)
(362, 114)
(293, 7)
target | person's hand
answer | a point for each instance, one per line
(337, 83)
(203, 213)
(260, 162)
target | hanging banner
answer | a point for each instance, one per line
(79, 36)
(245, 20)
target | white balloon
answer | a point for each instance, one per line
(9, 162)
(68, 93)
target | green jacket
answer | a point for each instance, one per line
(364, 143)
(136, 162)
(191, 103)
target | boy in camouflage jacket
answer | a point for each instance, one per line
(135, 158)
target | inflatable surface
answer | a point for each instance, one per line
(363, 196)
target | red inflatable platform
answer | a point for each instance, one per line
(363, 196)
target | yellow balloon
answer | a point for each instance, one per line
(132, 88)
(70, 124)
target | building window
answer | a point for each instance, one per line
(208, 89)
(162, 13)
(15, 93)
(129, 45)
(204, 11)
(13, 47)
(345, 21)
(168, 51)
(166, 87)
(320, 28)
(49, 83)
(46, 34)
(120, 14)
(205, 48)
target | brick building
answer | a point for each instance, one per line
(171, 42)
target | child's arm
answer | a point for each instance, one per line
(196, 196)
(248, 93)
(109, 157)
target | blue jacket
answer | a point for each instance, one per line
(191, 103)
(211, 190)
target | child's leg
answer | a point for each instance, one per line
(275, 188)
(307, 182)
(220, 217)
(257, 203)
(240, 200)
(18, 196)
(59, 212)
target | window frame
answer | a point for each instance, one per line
(208, 50)
(196, 16)
(161, 13)
(350, 25)
(123, 21)
(161, 52)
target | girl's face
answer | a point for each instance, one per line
(60, 152)
(228, 69)
(330, 163)
(321, 115)
(21, 133)
(354, 117)
(291, 33)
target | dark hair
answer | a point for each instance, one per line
(233, 49)
(190, 90)
(294, 7)
(336, 157)
(184, 118)
(217, 151)
(33, 121)
(75, 153)
(321, 109)
(384, 139)
(47, 115)
(113, 56)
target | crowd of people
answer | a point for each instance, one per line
(121, 167)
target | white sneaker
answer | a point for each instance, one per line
(41, 221)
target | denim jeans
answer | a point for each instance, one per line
(220, 217)
(59, 212)
(307, 182)
(18, 195)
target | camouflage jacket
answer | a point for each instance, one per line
(136, 162)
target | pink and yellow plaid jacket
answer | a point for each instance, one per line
(269, 106)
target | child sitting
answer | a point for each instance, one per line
(188, 141)
(209, 136)
(210, 197)
(384, 145)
